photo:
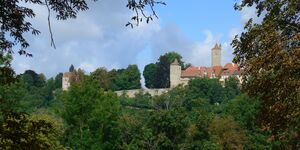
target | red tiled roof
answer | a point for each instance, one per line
(228, 69)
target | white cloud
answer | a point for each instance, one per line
(233, 32)
(98, 37)
(250, 12)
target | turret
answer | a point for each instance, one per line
(216, 55)
(175, 73)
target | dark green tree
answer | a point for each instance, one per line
(160, 78)
(72, 68)
(232, 88)
(58, 80)
(162, 73)
(168, 127)
(149, 75)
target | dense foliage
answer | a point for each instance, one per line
(269, 52)
(158, 75)
(36, 114)
(202, 115)
(121, 79)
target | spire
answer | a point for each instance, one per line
(216, 45)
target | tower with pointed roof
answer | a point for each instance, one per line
(175, 73)
(216, 55)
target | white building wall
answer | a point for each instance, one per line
(65, 83)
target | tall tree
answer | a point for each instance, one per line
(101, 76)
(72, 68)
(58, 80)
(91, 115)
(158, 74)
(269, 53)
(149, 73)
(129, 78)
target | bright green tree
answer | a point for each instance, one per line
(128, 78)
(206, 88)
(91, 116)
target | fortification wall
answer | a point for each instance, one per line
(152, 92)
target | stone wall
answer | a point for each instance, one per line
(152, 92)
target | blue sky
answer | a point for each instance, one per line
(99, 38)
(193, 16)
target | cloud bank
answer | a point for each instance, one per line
(99, 38)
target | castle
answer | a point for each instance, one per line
(178, 76)
(181, 77)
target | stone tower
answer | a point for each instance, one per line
(216, 55)
(175, 73)
(66, 80)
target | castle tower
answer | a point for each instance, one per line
(216, 55)
(66, 80)
(175, 73)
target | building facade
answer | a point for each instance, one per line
(178, 76)
(66, 80)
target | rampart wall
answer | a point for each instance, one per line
(152, 92)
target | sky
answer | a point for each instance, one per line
(98, 37)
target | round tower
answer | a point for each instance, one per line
(175, 73)
(216, 55)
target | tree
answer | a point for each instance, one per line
(232, 88)
(129, 78)
(34, 79)
(269, 54)
(19, 131)
(227, 133)
(7, 74)
(72, 68)
(244, 110)
(101, 76)
(58, 80)
(206, 88)
(91, 115)
(14, 18)
(158, 74)
(169, 128)
(149, 75)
